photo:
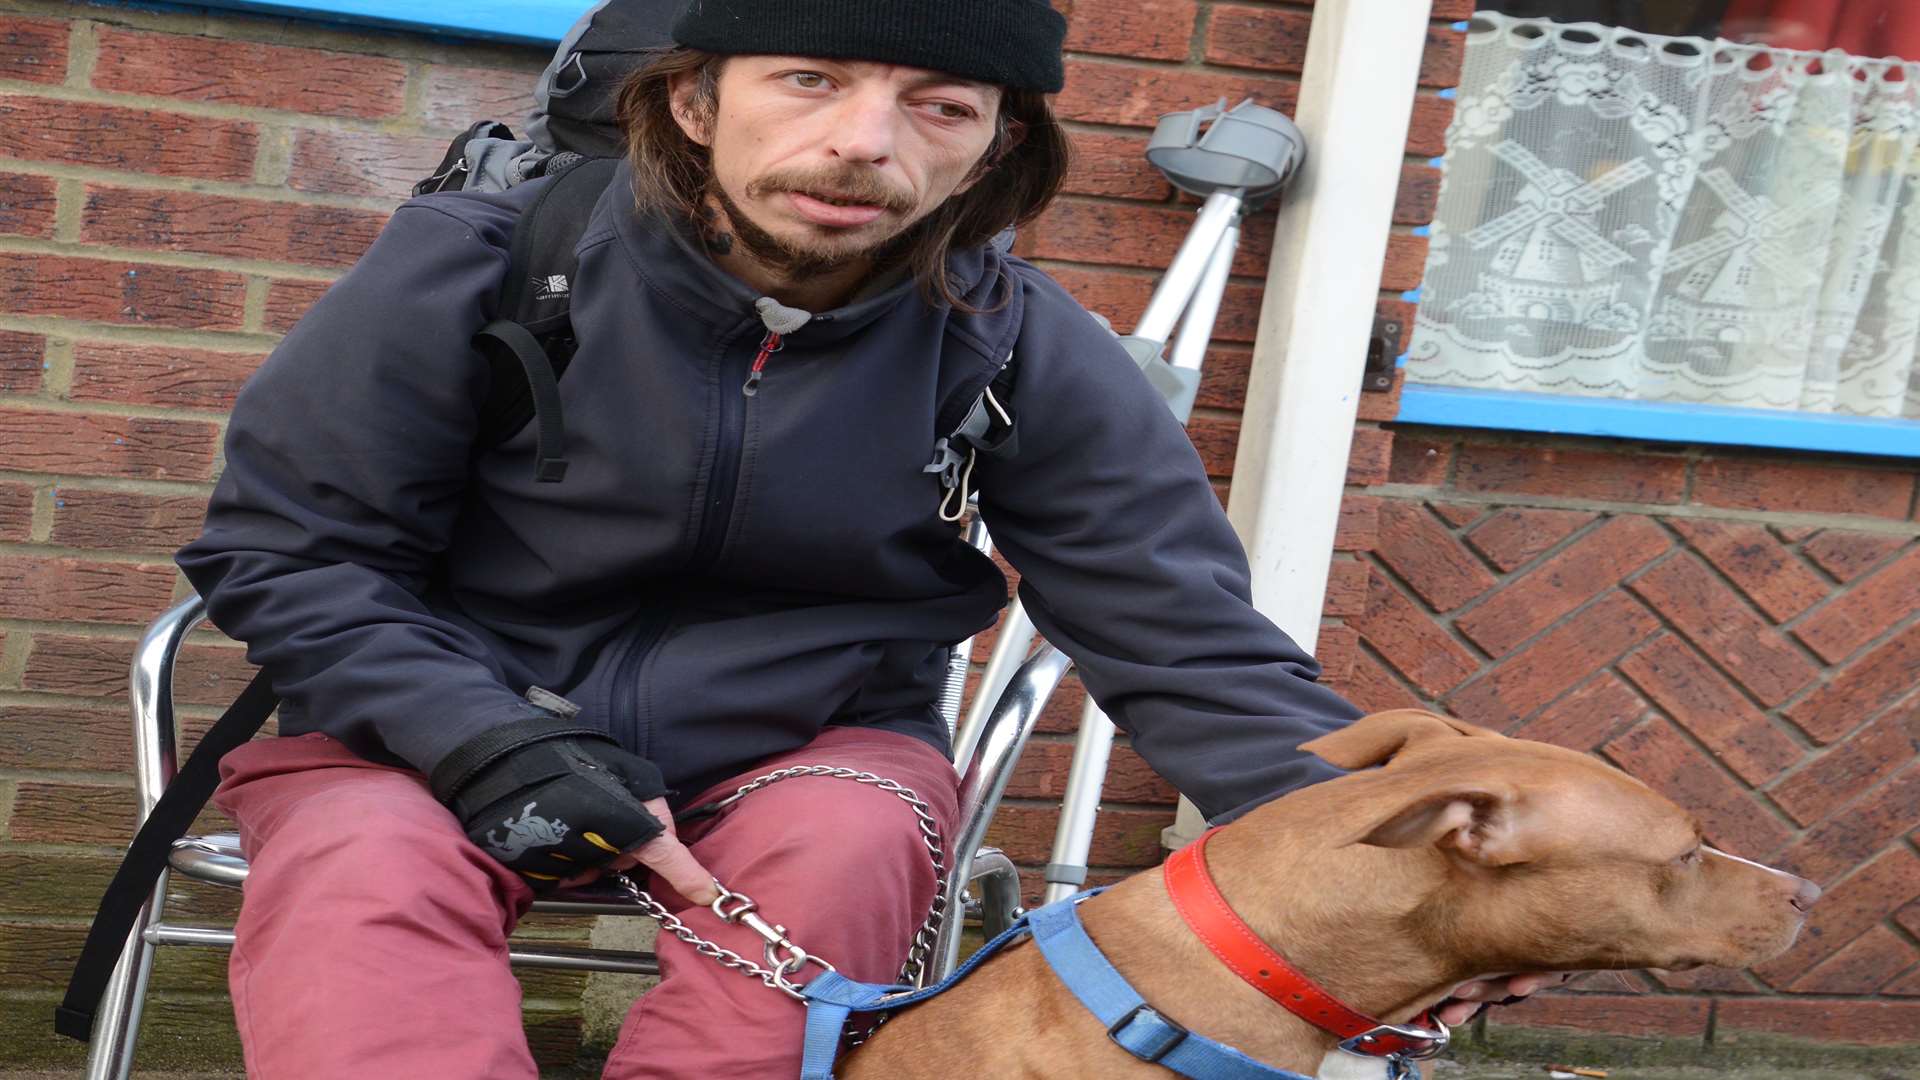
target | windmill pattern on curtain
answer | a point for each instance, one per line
(1676, 219)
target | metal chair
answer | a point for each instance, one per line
(216, 859)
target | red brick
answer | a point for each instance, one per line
(1874, 603)
(1877, 679)
(1868, 1022)
(1426, 555)
(1223, 378)
(1871, 755)
(1706, 704)
(1587, 717)
(1793, 534)
(1877, 819)
(1907, 985)
(1909, 918)
(1419, 194)
(1560, 658)
(1420, 461)
(287, 301)
(1846, 555)
(16, 512)
(1755, 562)
(1335, 651)
(22, 358)
(1346, 587)
(1131, 95)
(1121, 296)
(92, 445)
(1406, 264)
(1457, 515)
(1115, 166)
(1664, 1014)
(1149, 29)
(1372, 688)
(33, 50)
(229, 72)
(1411, 641)
(1515, 537)
(1427, 127)
(1359, 526)
(453, 98)
(1587, 474)
(1042, 774)
(27, 204)
(1370, 456)
(374, 164)
(1217, 439)
(243, 228)
(1665, 761)
(1870, 961)
(129, 140)
(1710, 979)
(59, 737)
(125, 521)
(1271, 39)
(1846, 911)
(1123, 234)
(1714, 618)
(160, 374)
(1440, 60)
(1538, 598)
(76, 590)
(1382, 406)
(1123, 837)
(1454, 10)
(97, 667)
(109, 290)
(1784, 487)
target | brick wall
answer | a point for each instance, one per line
(177, 188)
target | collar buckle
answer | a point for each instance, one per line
(1146, 1034)
(1407, 1041)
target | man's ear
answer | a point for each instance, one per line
(1481, 825)
(1374, 739)
(680, 90)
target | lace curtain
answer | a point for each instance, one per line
(1676, 219)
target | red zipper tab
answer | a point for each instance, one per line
(768, 347)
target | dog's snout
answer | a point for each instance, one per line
(1804, 896)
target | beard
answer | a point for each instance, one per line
(818, 249)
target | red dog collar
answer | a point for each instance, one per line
(1208, 915)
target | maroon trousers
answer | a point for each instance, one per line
(372, 939)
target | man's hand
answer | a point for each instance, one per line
(664, 855)
(1470, 997)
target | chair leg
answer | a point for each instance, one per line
(116, 1028)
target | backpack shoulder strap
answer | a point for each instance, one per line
(530, 343)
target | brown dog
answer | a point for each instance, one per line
(1468, 855)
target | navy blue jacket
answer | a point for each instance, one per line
(720, 576)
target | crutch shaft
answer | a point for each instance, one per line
(1176, 288)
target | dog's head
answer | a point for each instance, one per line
(1552, 856)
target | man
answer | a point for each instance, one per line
(492, 686)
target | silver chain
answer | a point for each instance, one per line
(785, 958)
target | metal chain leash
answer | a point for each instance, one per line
(785, 958)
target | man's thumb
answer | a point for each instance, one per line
(667, 856)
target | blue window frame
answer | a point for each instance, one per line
(530, 22)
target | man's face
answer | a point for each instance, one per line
(821, 162)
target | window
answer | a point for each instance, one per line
(541, 22)
(1710, 233)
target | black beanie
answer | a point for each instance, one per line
(1010, 43)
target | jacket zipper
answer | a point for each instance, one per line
(726, 465)
(626, 680)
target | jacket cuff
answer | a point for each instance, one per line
(466, 761)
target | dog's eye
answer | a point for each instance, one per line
(1692, 858)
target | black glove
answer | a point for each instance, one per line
(549, 798)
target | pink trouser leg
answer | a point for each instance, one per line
(372, 939)
(839, 863)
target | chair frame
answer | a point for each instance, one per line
(991, 750)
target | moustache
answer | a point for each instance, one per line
(848, 185)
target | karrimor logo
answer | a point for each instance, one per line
(550, 286)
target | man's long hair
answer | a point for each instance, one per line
(1020, 173)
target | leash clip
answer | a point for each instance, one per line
(740, 910)
(1415, 1044)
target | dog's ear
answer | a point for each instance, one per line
(1480, 824)
(1374, 739)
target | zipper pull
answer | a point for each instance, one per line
(772, 344)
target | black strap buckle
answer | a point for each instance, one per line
(1149, 1046)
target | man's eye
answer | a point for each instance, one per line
(947, 110)
(808, 80)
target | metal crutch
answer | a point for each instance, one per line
(1244, 157)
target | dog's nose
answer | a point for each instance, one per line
(1804, 896)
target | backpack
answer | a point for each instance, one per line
(574, 140)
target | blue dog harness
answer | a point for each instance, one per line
(1078, 963)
